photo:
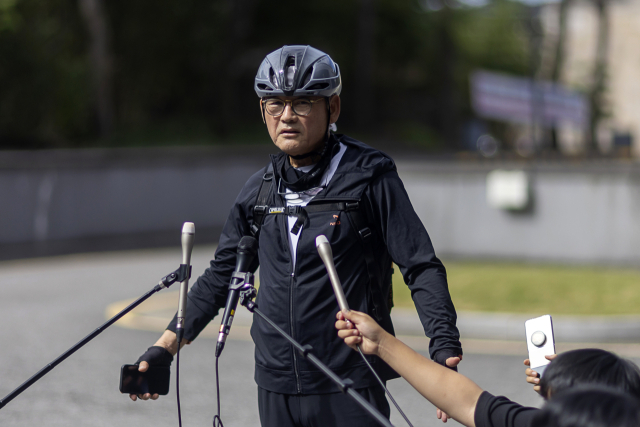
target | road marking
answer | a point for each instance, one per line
(156, 313)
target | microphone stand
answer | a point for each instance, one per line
(181, 274)
(345, 386)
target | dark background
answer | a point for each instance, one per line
(93, 73)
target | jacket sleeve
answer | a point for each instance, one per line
(209, 293)
(410, 248)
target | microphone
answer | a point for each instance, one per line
(188, 233)
(247, 249)
(324, 249)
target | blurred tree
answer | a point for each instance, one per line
(558, 59)
(238, 27)
(44, 99)
(598, 81)
(559, 55)
(365, 63)
(183, 71)
(93, 13)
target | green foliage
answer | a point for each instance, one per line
(194, 61)
(9, 18)
(416, 134)
(528, 288)
(44, 93)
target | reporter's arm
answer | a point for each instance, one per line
(448, 390)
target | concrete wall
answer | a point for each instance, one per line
(580, 213)
(88, 197)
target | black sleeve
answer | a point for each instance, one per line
(410, 248)
(498, 411)
(209, 293)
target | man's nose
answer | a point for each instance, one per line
(288, 114)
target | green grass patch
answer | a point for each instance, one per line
(529, 288)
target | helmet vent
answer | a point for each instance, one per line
(289, 73)
(307, 77)
(318, 86)
(273, 78)
(263, 86)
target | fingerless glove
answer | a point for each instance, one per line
(156, 356)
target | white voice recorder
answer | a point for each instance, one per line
(540, 342)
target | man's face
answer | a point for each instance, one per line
(296, 134)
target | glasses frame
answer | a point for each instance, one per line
(288, 101)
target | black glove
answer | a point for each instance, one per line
(156, 356)
(441, 358)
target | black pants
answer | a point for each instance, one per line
(319, 410)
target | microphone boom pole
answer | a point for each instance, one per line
(179, 275)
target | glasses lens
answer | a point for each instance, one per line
(302, 107)
(274, 107)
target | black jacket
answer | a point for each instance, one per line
(302, 301)
(498, 411)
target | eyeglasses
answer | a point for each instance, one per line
(301, 106)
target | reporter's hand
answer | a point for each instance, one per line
(156, 356)
(357, 328)
(532, 376)
(451, 362)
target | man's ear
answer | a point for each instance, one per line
(262, 111)
(334, 106)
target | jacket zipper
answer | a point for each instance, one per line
(295, 357)
(291, 290)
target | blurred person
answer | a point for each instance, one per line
(465, 401)
(321, 183)
(586, 366)
(589, 407)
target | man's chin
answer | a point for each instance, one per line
(291, 147)
(294, 147)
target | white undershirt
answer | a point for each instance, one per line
(297, 199)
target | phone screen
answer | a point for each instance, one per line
(155, 380)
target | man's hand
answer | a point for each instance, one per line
(143, 368)
(532, 376)
(451, 362)
(161, 354)
(357, 328)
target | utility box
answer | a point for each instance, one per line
(508, 190)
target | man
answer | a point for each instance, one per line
(321, 183)
(467, 403)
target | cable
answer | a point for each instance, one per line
(178, 385)
(384, 386)
(217, 421)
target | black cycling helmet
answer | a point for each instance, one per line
(298, 71)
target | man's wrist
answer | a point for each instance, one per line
(168, 341)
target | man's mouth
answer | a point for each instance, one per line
(289, 132)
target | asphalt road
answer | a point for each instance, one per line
(49, 304)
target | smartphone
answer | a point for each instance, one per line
(540, 341)
(155, 380)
